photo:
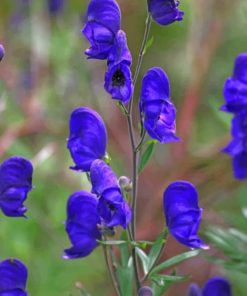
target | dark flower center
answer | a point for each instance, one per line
(118, 78)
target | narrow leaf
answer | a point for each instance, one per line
(175, 260)
(147, 155)
(148, 44)
(144, 259)
(163, 278)
(112, 242)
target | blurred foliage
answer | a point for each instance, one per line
(44, 75)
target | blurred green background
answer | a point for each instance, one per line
(45, 75)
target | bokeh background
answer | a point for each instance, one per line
(45, 75)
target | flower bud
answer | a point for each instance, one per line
(145, 291)
(125, 183)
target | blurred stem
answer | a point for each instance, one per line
(110, 267)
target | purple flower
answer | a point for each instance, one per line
(165, 12)
(87, 139)
(15, 183)
(235, 89)
(183, 216)
(217, 286)
(238, 146)
(13, 278)
(55, 6)
(82, 224)
(156, 106)
(118, 81)
(194, 290)
(103, 23)
(2, 52)
(112, 208)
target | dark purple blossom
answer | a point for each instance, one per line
(156, 107)
(15, 183)
(87, 139)
(165, 12)
(2, 52)
(118, 80)
(102, 24)
(235, 89)
(55, 6)
(112, 208)
(183, 216)
(238, 146)
(13, 278)
(217, 286)
(82, 224)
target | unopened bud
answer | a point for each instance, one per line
(2, 52)
(125, 183)
(145, 291)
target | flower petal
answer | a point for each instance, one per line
(217, 286)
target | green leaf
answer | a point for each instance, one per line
(161, 279)
(148, 44)
(144, 259)
(147, 155)
(156, 248)
(125, 276)
(112, 242)
(175, 260)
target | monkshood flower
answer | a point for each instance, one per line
(82, 224)
(102, 24)
(235, 89)
(216, 286)
(156, 107)
(55, 6)
(15, 183)
(183, 216)
(13, 278)
(111, 207)
(87, 139)
(118, 81)
(2, 52)
(165, 12)
(238, 146)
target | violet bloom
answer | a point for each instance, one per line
(156, 107)
(165, 12)
(103, 23)
(217, 286)
(112, 208)
(118, 81)
(55, 6)
(194, 290)
(15, 183)
(2, 52)
(238, 146)
(183, 216)
(235, 89)
(13, 278)
(87, 139)
(82, 224)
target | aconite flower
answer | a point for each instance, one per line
(2, 52)
(156, 107)
(102, 24)
(183, 216)
(15, 183)
(87, 139)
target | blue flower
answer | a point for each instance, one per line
(165, 12)
(82, 224)
(156, 106)
(2, 52)
(217, 286)
(112, 208)
(103, 23)
(15, 183)
(55, 6)
(118, 81)
(87, 139)
(183, 216)
(238, 146)
(235, 89)
(13, 278)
